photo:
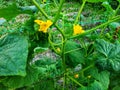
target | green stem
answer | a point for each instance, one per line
(60, 31)
(95, 28)
(92, 65)
(54, 1)
(79, 13)
(72, 50)
(58, 12)
(41, 10)
(63, 56)
(117, 9)
(63, 62)
(75, 81)
(56, 44)
(103, 29)
(52, 44)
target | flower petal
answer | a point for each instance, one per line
(77, 29)
(39, 22)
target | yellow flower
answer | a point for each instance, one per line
(44, 25)
(77, 29)
(76, 75)
(38, 22)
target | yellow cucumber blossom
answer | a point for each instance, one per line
(38, 21)
(44, 25)
(77, 29)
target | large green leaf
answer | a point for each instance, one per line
(96, 86)
(35, 72)
(13, 55)
(102, 77)
(3, 87)
(101, 80)
(74, 53)
(108, 55)
(14, 82)
(115, 81)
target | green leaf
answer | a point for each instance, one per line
(14, 82)
(108, 7)
(12, 11)
(74, 53)
(13, 55)
(47, 66)
(94, 86)
(3, 87)
(45, 85)
(101, 80)
(102, 77)
(95, 1)
(108, 55)
(35, 72)
(115, 81)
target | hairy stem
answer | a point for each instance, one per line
(54, 1)
(79, 12)
(41, 10)
(75, 81)
(58, 12)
